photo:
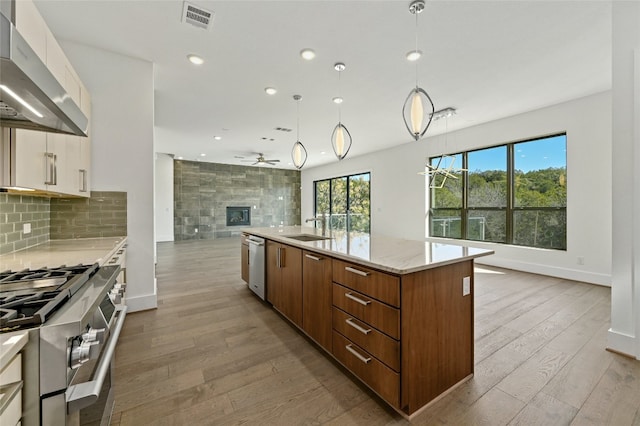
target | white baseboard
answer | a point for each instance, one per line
(142, 303)
(622, 343)
(552, 271)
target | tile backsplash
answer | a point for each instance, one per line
(104, 214)
(19, 213)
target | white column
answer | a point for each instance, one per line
(624, 334)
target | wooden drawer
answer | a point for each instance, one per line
(383, 317)
(378, 285)
(383, 380)
(368, 338)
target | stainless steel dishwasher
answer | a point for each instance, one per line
(256, 265)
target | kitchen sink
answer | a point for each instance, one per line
(306, 237)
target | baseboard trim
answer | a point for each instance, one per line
(142, 303)
(552, 271)
(621, 343)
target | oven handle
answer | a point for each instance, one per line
(84, 394)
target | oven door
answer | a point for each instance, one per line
(89, 397)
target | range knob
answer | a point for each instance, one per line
(94, 335)
(83, 352)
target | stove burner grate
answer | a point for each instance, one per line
(29, 297)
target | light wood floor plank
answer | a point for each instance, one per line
(214, 354)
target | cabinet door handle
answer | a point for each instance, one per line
(357, 327)
(356, 271)
(357, 299)
(50, 175)
(313, 257)
(83, 180)
(357, 355)
(278, 257)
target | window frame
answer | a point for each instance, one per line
(510, 210)
(348, 197)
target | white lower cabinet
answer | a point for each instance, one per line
(11, 392)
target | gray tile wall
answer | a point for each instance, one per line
(203, 191)
(15, 212)
(104, 214)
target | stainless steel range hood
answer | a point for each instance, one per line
(30, 96)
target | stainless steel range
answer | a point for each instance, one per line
(74, 316)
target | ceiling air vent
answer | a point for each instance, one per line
(197, 16)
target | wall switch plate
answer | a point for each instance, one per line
(466, 286)
(26, 228)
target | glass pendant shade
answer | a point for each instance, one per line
(341, 141)
(298, 155)
(418, 112)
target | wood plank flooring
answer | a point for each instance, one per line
(214, 354)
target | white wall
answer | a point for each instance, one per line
(122, 154)
(398, 200)
(164, 197)
(624, 335)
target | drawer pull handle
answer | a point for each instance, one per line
(357, 299)
(313, 257)
(356, 271)
(357, 355)
(357, 327)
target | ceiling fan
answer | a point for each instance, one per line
(261, 160)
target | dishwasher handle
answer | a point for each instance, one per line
(256, 242)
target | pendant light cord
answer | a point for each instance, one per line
(340, 96)
(417, 49)
(298, 121)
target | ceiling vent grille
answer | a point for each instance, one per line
(197, 16)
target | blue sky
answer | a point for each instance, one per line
(536, 155)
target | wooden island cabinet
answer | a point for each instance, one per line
(396, 313)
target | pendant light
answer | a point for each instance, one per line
(340, 138)
(418, 108)
(299, 152)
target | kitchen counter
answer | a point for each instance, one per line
(63, 252)
(395, 255)
(10, 345)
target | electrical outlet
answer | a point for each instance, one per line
(466, 286)
(26, 228)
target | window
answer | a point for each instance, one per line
(344, 202)
(514, 193)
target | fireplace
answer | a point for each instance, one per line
(238, 216)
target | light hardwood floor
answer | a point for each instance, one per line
(214, 354)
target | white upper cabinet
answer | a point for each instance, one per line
(51, 162)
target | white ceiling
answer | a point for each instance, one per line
(488, 59)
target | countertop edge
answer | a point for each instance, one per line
(308, 246)
(11, 344)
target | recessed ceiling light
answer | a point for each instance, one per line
(195, 59)
(217, 138)
(414, 55)
(337, 100)
(203, 155)
(323, 153)
(307, 54)
(270, 90)
(178, 158)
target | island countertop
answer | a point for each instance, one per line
(395, 255)
(55, 253)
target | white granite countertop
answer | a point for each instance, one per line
(11, 344)
(395, 255)
(63, 252)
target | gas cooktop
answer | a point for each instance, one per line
(29, 297)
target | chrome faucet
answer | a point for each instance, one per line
(322, 220)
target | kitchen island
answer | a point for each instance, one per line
(396, 313)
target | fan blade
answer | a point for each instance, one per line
(272, 161)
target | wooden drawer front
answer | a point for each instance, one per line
(383, 380)
(371, 340)
(381, 316)
(378, 285)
